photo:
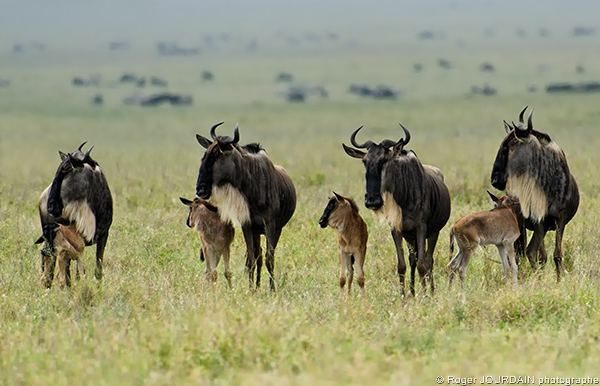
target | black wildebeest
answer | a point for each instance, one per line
(250, 191)
(79, 194)
(532, 167)
(411, 196)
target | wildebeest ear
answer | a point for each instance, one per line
(494, 198)
(40, 240)
(354, 153)
(338, 197)
(62, 155)
(203, 141)
(185, 201)
(507, 127)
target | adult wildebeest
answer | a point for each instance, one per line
(532, 167)
(411, 196)
(250, 191)
(341, 213)
(79, 194)
(499, 227)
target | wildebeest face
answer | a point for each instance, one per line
(332, 204)
(518, 135)
(195, 205)
(217, 166)
(374, 159)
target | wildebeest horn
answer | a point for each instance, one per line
(530, 121)
(212, 130)
(406, 138)
(521, 114)
(236, 134)
(81, 146)
(506, 126)
(87, 153)
(356, 145)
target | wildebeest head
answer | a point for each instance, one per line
(374, 159)
(218, 165)
(70, 164)
(506, 201)
(194, 204)
(517, 139)
(336, 203)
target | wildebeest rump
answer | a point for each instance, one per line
(411, 196)
(79, 194)
(250, 191)
(532, 167)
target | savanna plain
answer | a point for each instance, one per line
(155, 320)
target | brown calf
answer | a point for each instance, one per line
(498, 226)
(68, 245)
(215, 234)
(341, 213)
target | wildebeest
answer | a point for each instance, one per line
(499, 227)
(341, 213)
(411, 196)
(250, 191)
(98, 100)
(68, 245)
(486, 90)
(80, 195)
(532, 167)
(487, 67)
(207, 75)
(216, 236)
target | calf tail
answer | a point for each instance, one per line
(451, 244)
(455, 261)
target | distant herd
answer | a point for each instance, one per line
(239, 186)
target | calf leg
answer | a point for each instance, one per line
(212, 261)
(226, 266)
(100, 245)
(349, 270)
(360, 262)
(79, 268)
(49, 262)
(62, 277)
(397, 236)
(342, 270)
(512, 260)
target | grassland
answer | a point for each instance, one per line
(153, 319)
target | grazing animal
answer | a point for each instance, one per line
(341, 213)
(250, 191)
(215, 234)
(412, 197)
(532, 167)
(80, 195)
(499, 227)
(68, 245)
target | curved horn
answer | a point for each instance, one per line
(236, 134)
(87, 153)
(521, 114)
(357, 145)
(530, 121)
(212, 130)
(406, 138)
(81, 146)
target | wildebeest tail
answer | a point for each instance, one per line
(455, 261)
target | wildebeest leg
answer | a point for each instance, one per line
(397, 236)
(560, 228)
(542, 252)
(48, 274)
(512, 260)
(360, 262)
(342, 270)
(67, 271)
(503, 259)
(257, 256)
(212, 260)
(62, 270)
(100, 245)
(349, 270)
(79, 269)
(423, 265)
(226, 266)
(534, 245)
(273, 234)
(521, 243)
(250, 257)
(431, 242)
(412, 259)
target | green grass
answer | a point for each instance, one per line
(154, 320)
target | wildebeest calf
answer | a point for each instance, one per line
(68, 245)
(341, 213)
(216, 236)
(498, 226)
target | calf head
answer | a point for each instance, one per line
(197, 205)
